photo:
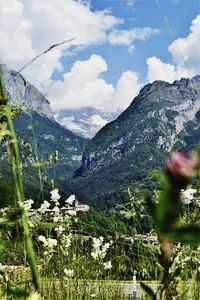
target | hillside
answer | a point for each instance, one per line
(41, 139)
(161, 118)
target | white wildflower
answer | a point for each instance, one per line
(70, 200)
(56, 219)
(52, 243)
(188, 195)
(28, 204)
(187, 259)
(34, 296)
(107, 265)
(42, 239)
(71, 212)
(55, 196)
(56, 155)
(69, 273)
(60, 229)
(44, 206)
(105, 247)
(57, 215)
(48, 243)
(99, 249)
(93, 295)
(65, 243)
(56, 209)
(94, 254)
(97, 242)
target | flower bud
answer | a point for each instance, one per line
(181, 168)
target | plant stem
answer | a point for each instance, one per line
(16, 170)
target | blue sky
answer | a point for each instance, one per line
(119, 46)
(142, 13)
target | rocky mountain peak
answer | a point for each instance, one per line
(40, 139)
(162, 117)
(22, 92)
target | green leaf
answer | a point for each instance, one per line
(149, 293)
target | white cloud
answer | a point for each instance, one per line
(131, 3)
(127, 37)
(56, 20)
(127, 88)
(158, 70)
(32, 26)
(83, 86)
(29, 27)
(16, 44)
(185, 53)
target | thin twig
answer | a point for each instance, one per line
(44, 52)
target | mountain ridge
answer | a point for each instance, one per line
(42, 141)
(140, 139)
(164, 116)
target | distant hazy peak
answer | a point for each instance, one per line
(86, 121)
(196, 77)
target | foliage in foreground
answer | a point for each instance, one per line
(64, 256)
(177, 259)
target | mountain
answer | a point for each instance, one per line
(85, 122)
(21, 92)
(48, 150)
(162, 117)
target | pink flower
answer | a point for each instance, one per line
(181, 165)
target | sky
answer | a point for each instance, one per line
(118, 46)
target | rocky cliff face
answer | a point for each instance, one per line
(41, 140)
(22, 92)
(159, 119)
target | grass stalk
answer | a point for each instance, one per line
(16, 170)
